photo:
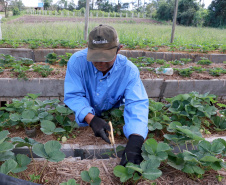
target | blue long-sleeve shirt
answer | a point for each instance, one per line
(86, 90)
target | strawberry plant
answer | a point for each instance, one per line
(185, 60)
(64, 59)
(158, 118)
(176, 62)
(216, 71)
(51, 58)
(204, 61)
(186, 72)
(44, 70)
(91, 176)
(198, 69)
(69, 182)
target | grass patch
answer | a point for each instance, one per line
(129, 34)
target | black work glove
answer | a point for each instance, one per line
(132, 152)
(100, 128)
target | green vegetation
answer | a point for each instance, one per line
(70, 35)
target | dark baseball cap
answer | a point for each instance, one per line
(103, 43)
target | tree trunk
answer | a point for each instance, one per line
(6, 5)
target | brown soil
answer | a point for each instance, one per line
(40, 18)
(83, 136)
(59, 73)
(56, 173)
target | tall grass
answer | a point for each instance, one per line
(157, 34)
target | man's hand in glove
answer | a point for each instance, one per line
(100, 128)
(132, 152)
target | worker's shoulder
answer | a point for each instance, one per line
(124, 61)
(79, 56)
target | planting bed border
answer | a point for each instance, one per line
(155, 88)
(95, 151)
(38, 55)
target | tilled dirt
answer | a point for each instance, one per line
(56, 173)
(59, 73)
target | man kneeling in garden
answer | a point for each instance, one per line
(98, 79)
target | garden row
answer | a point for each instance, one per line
(179, 124)
(145, 44)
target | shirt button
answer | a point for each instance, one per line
(95, 105)
(100, 80)
(97, 94)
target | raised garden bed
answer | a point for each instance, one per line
(38, 55)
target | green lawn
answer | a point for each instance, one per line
(129, 34)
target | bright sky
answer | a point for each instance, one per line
(33, 3)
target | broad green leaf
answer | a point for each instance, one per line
(211, 159)
(152, 174)
(94, 172)
(6, 146)
(59, 130)
(188, 168)
(153, 125)
(217, 165)
(163, 147)
(15, 117)
(122, 173)
(39, 150)
(149, 164)
(33, 96)
(97, 181)
(69, 182)
(151, 145)
(8, 166)
(52, 146)
(193, 135)
(6, 155)
(85, 176)
(204, 146)
(23, 142)
(135, 167)
(3, 135)
(217, 147)
(47, 127)
(56, 156)
(62, 109)
(136, 176)
(28, 114)
(22, 162)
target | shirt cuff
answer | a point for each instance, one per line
(82, 115)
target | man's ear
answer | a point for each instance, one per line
(120, 46)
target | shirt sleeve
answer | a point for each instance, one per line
(75, 93)
(136, 107)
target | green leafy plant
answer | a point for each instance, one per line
(185, 60)
(160, 61)
(158, 118)
(20, 71)
(204, 61)
(64, 59)
(216, 71)
(44, 70)
(176, 62)
(198, 69)
(219, 122)
(51, 58)
(91, 176)
(115, 115)
(190, 108)
(186, 72)
(69, 182)
(48, 127)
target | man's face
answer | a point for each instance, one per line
(104, 66)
